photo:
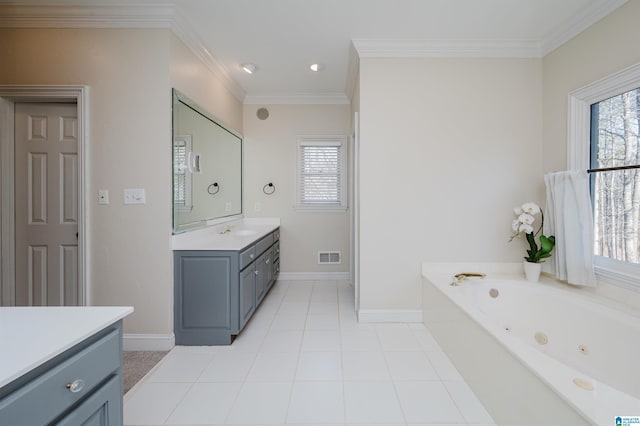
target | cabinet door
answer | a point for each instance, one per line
(102, 408)
(260, 279)
(267, 276)
(263, 267)
(247, 294)
(205, 287)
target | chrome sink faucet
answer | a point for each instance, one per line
(226, 230)
(458, 278)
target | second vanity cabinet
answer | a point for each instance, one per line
(217, 291)
(61, 366)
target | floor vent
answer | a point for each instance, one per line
(329, 257)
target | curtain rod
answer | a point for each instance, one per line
(612, 169)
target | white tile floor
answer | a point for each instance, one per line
(304, 360)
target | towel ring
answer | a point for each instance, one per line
(214, 188)
(269, 188)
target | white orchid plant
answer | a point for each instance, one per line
(525, 224)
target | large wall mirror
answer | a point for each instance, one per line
(207, 167)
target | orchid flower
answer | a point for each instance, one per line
(523, 224)
(526, 228)
(531, 208)
(526, 218)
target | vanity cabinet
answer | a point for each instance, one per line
(81, 386)
(217, 291)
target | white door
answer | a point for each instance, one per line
(46, 204)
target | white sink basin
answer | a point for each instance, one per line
(244, 232)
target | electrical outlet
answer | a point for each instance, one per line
(134, 196)
(257, 206)
(227, 207)
(103, 196)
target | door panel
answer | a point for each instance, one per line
(37, 275)
(46, 180)
(69, 195)
(37, 188)
(69, 274)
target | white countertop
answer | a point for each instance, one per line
(241, 233)
(30, 336)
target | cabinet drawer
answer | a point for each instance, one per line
(247, 256)
(276, 250)
(48, 395)
(264, 244)
(276, 234)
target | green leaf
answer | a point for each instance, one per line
(547, 244)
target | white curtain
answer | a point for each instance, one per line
(569, 217)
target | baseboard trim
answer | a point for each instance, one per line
(148, 342)
(389, 315)
(314, 276)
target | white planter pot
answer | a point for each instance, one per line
(532, 271)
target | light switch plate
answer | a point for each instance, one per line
(134, 196)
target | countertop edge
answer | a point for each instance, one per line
(118, 313)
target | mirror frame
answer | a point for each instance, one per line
(178, 97)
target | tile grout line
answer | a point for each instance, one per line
(344, 392)
(293, 381)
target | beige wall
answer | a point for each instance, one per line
(447, 148)
(606, 47)
(129, 257)
(270, 156)
(130, 74)
(603, 49)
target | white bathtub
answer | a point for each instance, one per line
(586, 351)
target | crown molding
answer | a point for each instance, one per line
(578, 23)
(447, 48)
(97, 16)
(488, 48)
(183, 30)
(352, 71)
(298, 99)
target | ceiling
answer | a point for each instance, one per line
(283, 37)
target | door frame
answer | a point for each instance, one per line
(9, 95)
(354, 217)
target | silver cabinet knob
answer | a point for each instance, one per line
(75, 386)
(251, 256)
(267, 261)
(256, 272)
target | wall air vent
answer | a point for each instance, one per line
(329, 257)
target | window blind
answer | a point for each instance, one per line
(320, 173)
(179, 173)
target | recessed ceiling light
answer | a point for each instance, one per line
(316, 67)
(249, 68)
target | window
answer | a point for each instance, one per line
(181, 174)
(321, 173)
(604, 131)
(615, 184)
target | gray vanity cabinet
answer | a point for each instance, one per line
(216, 292)
(81, 386)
